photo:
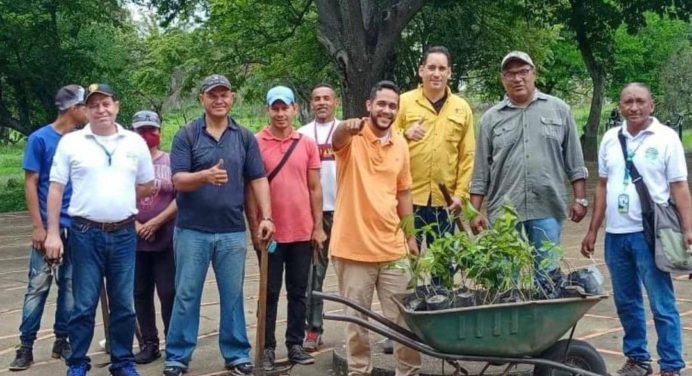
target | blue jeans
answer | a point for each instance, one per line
(40, 280)
(538, 231)
(631, 263)
(193, 252)
(97, 254)
(441, 223)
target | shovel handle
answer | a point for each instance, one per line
(448, 200)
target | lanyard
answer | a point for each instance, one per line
(109, 154)
(629, 159)
(329, 135)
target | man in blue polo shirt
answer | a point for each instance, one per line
(38, 158)
(211, 160)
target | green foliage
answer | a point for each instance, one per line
(11, 178)
(497, 261)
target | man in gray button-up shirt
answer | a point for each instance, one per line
(526, 146)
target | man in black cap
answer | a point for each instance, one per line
(38, 158)
(109, 168)
(212, 159)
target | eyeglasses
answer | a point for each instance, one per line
(523, 73)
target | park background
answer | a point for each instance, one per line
(154, 53)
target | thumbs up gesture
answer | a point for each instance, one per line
(217, 175)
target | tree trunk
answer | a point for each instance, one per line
(361, 36)
(596, 68)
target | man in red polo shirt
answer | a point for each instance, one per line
(292, 163)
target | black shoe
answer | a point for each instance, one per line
(23, 360)
(298, 355)
(269, 358)
(61, 348)
(241, 369)
(173, 371)
(127, 370)
(148, 353)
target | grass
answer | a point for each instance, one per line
(252, 116)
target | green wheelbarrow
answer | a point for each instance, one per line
(509, 333)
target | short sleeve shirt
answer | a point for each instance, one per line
(660, 159)
(290, 195)
(104, 171)
(215, 209)
(152, 205)
(369, 175)
(38, 158)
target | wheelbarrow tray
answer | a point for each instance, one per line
(501, 330)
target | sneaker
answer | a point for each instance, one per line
(635, 368)
(670, 372)
(173, 371)
(298, 355)
(22, 360)
(61, 348)
(269, 358)
(78, 370)
(148, 353)
(241, 369)
(126, 370)
(387, 346)
(313, 340)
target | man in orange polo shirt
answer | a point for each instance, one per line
(373, 196)
(292, 163)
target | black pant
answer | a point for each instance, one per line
(154, 269)
(298, 259)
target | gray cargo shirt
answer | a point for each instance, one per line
(523, 156)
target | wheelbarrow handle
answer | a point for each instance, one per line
(375, 316)
(427, 350)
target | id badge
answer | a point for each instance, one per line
(623, 203)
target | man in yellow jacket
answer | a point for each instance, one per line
(438, 126)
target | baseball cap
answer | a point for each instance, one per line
(280, 93)
(213, 81)
(68, 96)
(104, 89)
(146, 118)
(517, 55)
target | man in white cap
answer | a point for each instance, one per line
(526, 147)
(38, 158)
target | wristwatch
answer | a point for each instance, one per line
(582, 201)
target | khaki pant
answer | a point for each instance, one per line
(357, 282)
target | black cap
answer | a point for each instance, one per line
(68, 96)
(213, 81)
(104, 89)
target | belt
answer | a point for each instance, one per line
(104, 226)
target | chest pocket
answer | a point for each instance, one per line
(455, 129)
(504, 135)
(553, 128)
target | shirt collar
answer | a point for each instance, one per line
(653, 128)
(422, 100)
(371, 138)
(231, 123)
(119, 130)
(537, 95)
(267, 135)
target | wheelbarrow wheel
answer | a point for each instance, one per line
(580, 355)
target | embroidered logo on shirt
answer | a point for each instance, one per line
(651, 153)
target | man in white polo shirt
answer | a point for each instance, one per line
(658, 155)
(109, 168)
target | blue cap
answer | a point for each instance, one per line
(280, 93)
